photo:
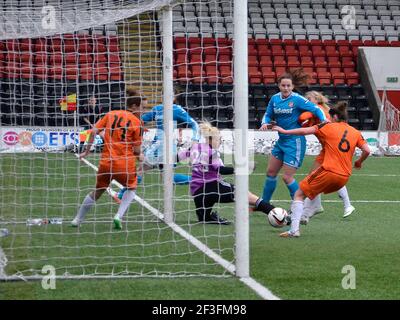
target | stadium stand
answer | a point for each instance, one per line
(285, 34)
(47, 69)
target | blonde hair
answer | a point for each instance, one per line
(320, 98)
(210, 132)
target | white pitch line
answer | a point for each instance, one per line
(262, 291)
(3, 263)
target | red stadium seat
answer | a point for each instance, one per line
(40, 73)
(113, 58)
(71, 72)
(266, 61)
(26, 45)
(181, 58)
(55, 72)
(324, 78)
(69, 46)
(348, 66)
(115, 73)
(253, 61)
(56, 59)
(338, 78)
(269, 77)
(40, 45)
(40, 59)
(352, 78)
(101, 72)
(264, 51)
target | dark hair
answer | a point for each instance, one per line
(133, 97)
(298, 77)
(340, 110)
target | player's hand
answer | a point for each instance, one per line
(267, 126)
(278, 129)
(141, 157)
(84, 154)
(357, 164)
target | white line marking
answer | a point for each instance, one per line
(3, 263)
(250, 282)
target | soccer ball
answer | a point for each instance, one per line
(278, 217)
(307, 119)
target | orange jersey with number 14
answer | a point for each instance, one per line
(123, 131)
(339, 141)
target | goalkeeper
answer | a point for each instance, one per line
(207, 186)
(122, 145)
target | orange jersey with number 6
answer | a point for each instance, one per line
(123, 131)
(339, 141)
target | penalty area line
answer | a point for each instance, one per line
(3, 264)
(262, 291)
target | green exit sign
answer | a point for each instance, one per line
(392, 79)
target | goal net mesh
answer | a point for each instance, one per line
(389, 128)
(56, 57)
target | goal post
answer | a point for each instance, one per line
(99, 52)
(389, 128)
(241, 153)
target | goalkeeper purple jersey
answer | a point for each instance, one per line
(205, 163)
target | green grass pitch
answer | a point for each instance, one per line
(53, 185)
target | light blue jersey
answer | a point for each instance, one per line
(154, 153)
(287, 111)
(290, 149)
(179, 115)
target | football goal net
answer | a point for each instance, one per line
(389, 128)
(67, 63)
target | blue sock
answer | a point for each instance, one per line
(121, 193)
(269, 188)
(293, 186)
(139, 179)
(182, 178)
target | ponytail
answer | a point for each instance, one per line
(298, 76)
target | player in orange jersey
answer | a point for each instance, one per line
(314, 207)
(122, 145)
(339, 141)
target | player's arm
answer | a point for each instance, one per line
(183, 116)
(137, 141)
(99, 126)
(148, 116)
(88, 122)
(365, 151)
(297, 132)
(266, 122)
(307, 105)
(92, 135)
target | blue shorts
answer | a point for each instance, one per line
(290, 151)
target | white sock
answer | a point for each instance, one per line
(316, 202)
(310, 206)
(126, 200)
(87, 203)
(297, 211)
(344, 195)
(307, 207)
